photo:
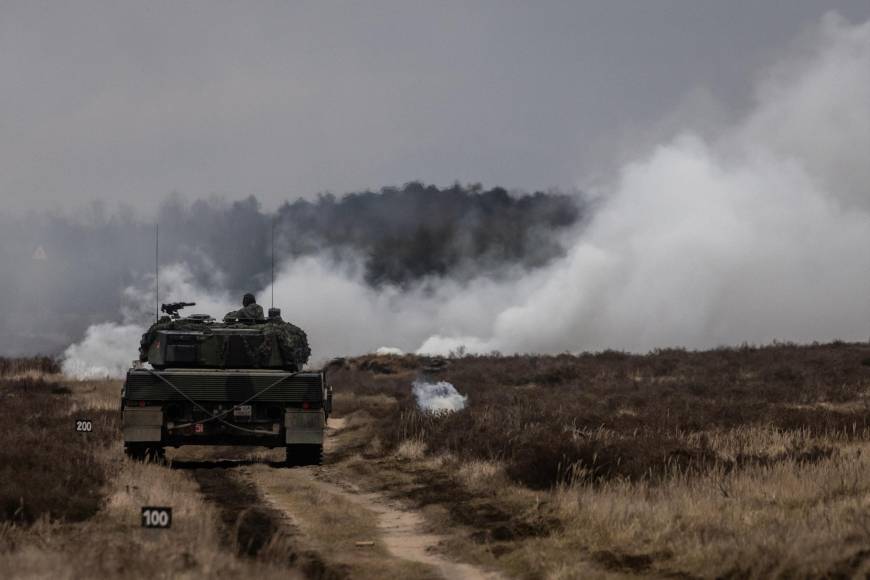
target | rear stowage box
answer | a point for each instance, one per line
(232, 348)
(181, 353)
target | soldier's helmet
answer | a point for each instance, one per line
(248, 299)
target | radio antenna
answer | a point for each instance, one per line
(156, 272)
(273, 261)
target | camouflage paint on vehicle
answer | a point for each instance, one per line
(237, 382)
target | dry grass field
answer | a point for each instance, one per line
(732, 463)
(745, 462)
(70, 501)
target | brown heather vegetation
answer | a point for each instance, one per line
(42, 457)
(552, 419)
(70, 502)
(731, 463)
(735, 462)
(38, 364)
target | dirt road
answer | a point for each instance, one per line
(402, 530)
(330, 527)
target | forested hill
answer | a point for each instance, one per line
(403, 234)
(69, 270)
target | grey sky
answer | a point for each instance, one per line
(129, 101)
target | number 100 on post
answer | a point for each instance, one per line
(156, 517)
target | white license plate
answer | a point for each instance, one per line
(242, 411)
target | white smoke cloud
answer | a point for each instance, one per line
(108, 348)
(105, 351)
(177, 284)
(760, 232)
(343, 315)
(755, 234)
(438, 397)
(389, 351)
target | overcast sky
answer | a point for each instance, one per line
(129, 101)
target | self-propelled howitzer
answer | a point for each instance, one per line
(236, 382)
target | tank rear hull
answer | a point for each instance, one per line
(268, 408)
(223, 385)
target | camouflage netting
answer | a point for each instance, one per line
(290, 339)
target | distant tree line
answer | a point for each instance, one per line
(416, 231)
(401, 234)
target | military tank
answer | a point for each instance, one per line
(239, 381)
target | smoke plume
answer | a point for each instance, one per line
(105, 351)
(757, 233)
(72, 271)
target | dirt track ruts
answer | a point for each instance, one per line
(250, 526)
(403, 531)
(254, 524)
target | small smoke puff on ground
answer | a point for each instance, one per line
(438, 397)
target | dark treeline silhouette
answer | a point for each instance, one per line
(401, 234)
(415, 231)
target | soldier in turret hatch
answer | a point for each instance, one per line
(250, 310)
